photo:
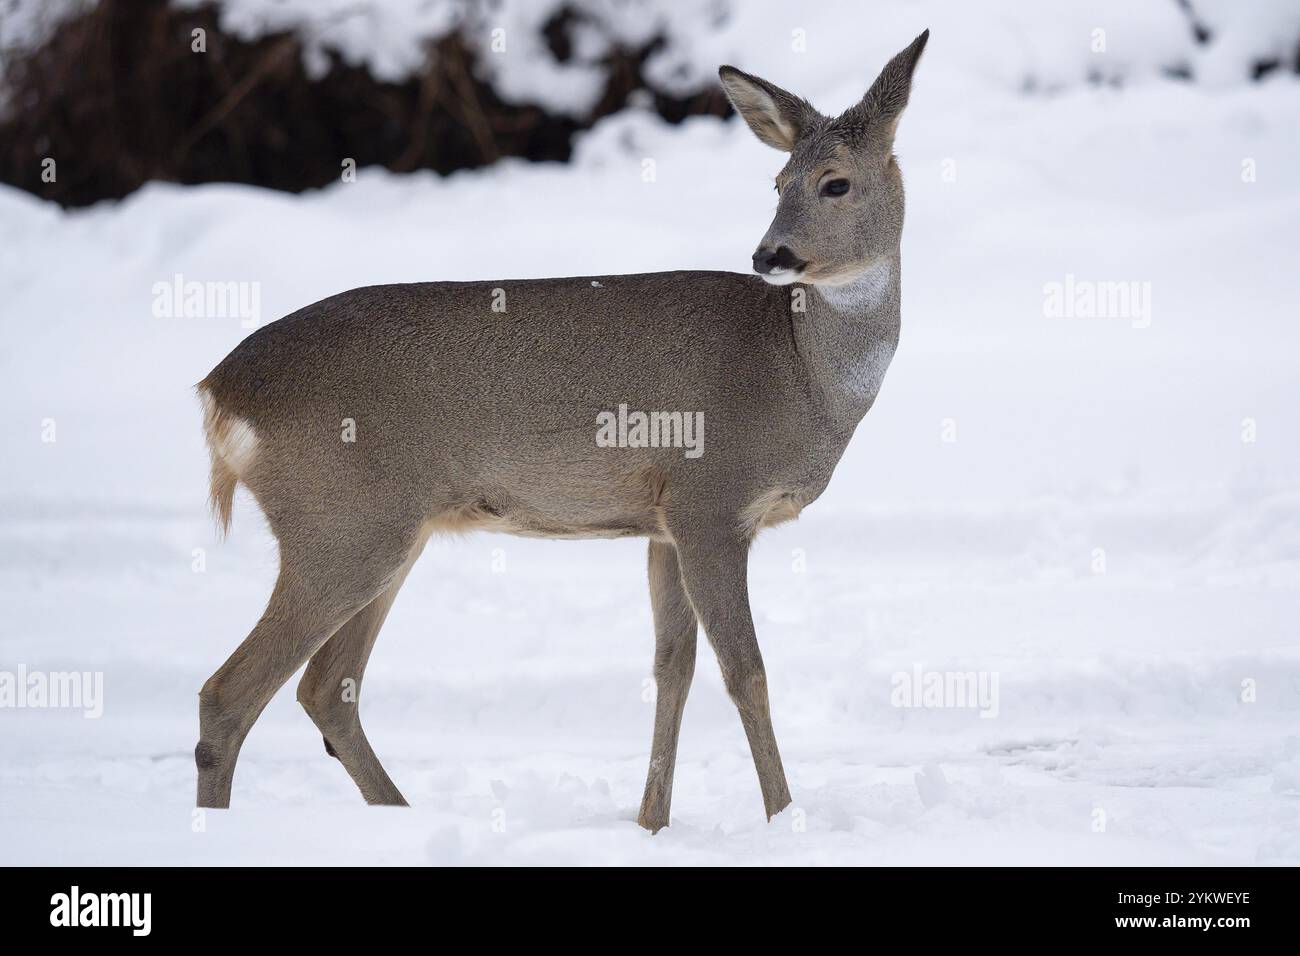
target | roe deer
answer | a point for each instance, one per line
(468, 417)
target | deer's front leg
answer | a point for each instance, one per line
(675, 630)
(714, 570)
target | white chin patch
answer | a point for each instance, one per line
(781, 277)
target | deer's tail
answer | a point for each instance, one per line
(232, 446)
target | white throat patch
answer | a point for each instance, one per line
(863, 294)
(860, 353)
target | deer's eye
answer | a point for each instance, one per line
(835, 187)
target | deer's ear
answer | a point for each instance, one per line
(880, 109)
(775, 116)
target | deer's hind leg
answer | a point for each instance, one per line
(330, 693)
(327, 575)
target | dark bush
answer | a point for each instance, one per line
(117, 98)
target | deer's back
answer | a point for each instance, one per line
(498, 407)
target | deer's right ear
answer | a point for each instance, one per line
(775, 116)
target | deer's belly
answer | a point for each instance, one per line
(618, 509)
(633, 504)
(528, 524)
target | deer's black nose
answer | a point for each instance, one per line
(767, 261)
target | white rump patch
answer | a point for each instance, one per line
(231, 439)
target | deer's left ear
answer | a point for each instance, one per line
(775, 116)
(879, 111)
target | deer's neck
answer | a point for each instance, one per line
(847, 336)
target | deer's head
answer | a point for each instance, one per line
(841, 194)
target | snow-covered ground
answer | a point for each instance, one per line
(1102, 514)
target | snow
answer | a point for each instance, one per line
(1051, 47)
(1065, 503)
